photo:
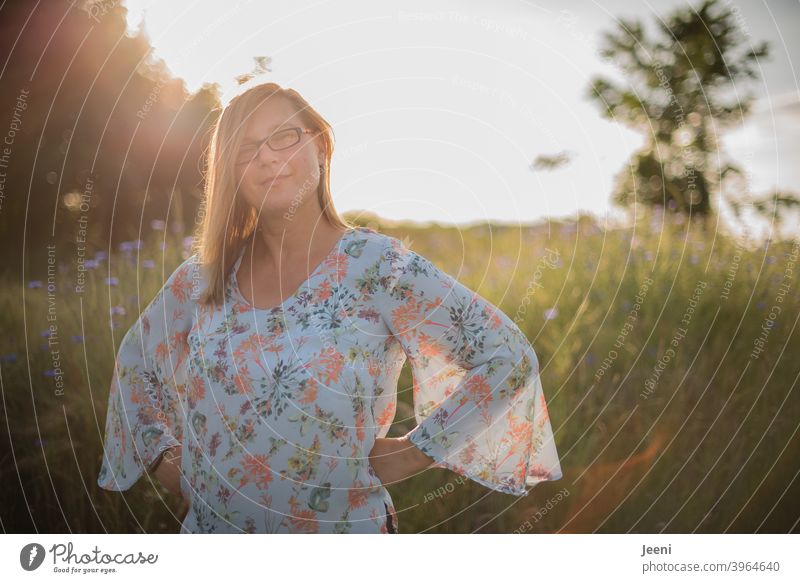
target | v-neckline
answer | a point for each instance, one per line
(303, 285)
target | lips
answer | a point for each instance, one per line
(268, 180)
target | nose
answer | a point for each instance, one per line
(266, 154)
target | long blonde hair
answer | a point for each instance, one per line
(228, 221)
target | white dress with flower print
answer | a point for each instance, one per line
(277, 409)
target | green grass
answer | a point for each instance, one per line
(713, 448)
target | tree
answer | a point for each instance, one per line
(684, 87)
(103, 138)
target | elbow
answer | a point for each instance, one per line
(530, 354)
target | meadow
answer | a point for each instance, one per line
(668, 355)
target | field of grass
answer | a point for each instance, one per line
(669, 361)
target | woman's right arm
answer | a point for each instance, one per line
(168, 470)
(150, 374)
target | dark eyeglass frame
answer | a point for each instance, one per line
(298, 130)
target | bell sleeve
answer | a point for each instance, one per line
(144, 411)
(478, 399)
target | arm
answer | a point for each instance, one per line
(395, 458)
(144, 409)
(167, 470)
(478, 399)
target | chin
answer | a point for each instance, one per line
(277, 200)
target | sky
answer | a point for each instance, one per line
(440, 106)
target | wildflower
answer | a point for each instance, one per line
(130, 245)
(504, 262)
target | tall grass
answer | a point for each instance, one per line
(708, 444)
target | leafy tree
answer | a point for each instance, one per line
(683, 89)
(100, 138)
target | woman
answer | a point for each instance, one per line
(260, 383)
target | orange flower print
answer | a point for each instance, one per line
(328, 365)
(301, 392)
(428, 346)
(197, 391)
(323, 292)
(309, 392)
(243, 381)
(301, 520)
(256, 470)
(357, 496)
(360, 419)
(249, 347)
(181, 286)
(162, 351)
(386, 415)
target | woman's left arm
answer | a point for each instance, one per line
(395, 458)
(478, 398)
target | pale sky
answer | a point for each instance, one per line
(439, 106)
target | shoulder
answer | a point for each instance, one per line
(184, 284)
(380, 241)
(391, 258)
(366, 243)
(376, 247)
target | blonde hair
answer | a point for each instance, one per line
(228, 220)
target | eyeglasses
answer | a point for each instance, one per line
(278, 141)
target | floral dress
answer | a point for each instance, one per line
(277, 409)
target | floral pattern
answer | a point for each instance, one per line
(277, 409)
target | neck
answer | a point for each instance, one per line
(296, 238)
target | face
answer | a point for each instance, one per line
(275, 182)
